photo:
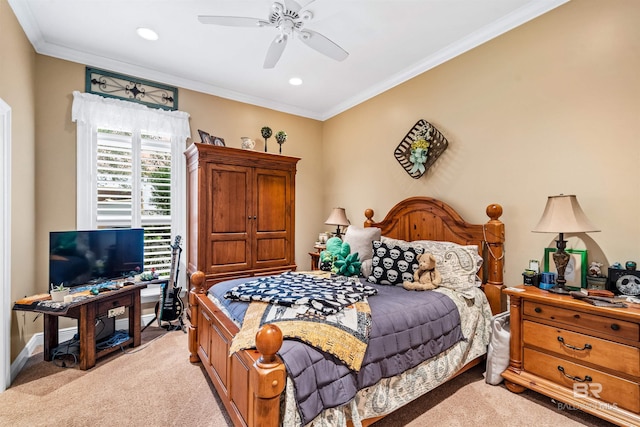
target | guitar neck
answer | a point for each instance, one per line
(175, 256)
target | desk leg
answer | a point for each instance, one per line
(50, 335)
(135, 319)
(87, 332)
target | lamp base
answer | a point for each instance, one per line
(559, 290)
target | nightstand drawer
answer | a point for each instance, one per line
(587, 321)
(608, 388)
(585, 348)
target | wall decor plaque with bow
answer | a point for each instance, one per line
(420, 148)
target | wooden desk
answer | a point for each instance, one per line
(86, 311)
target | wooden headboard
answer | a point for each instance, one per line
(425, 218)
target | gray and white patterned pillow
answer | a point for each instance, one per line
(458, 264)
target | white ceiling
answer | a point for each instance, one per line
(389, 41)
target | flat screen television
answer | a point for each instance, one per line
(93, 256)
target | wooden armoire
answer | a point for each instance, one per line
(241, 212)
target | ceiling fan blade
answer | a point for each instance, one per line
(323, 45)
(232, 21)
(292, 5)
(275, 51)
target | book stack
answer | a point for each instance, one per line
(597, 293)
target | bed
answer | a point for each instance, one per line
(258, 389)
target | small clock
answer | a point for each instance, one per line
(625, 282)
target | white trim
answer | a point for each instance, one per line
(85, 208)
(5, 244)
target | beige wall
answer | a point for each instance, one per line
(17, 74)
(56, 156)
(551, 107)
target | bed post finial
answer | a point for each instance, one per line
(494, 211)
(369, 214)
(268, 377)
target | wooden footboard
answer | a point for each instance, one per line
(250, 382)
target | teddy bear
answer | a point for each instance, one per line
(426, 276)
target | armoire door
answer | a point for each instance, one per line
(273, 236)
(229, 217)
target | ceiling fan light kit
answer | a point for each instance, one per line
(287, 18)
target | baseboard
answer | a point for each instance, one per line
(63, 335)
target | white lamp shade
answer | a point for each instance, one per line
(563, 214)
(338, 216)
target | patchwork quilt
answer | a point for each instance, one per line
(345, 334)
(318, 293)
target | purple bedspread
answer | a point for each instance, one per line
(408, 327)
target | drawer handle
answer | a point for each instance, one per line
(586, 346)
(538, 310)
(587, 378)
(615, 326)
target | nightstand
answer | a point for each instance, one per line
(315, 256)
(584, 356)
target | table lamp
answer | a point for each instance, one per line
(338, 217)
(563, 214)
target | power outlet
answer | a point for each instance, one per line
(116, 311)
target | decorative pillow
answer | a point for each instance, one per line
(360, 239)
(458, 264)
(393, 264)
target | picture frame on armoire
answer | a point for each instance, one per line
(205, 137)
(576, 272)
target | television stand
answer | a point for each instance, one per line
(86, 311)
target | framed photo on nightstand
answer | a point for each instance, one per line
(576, 271)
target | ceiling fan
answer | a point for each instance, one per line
(288, 19)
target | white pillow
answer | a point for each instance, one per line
(360, 240)
(458, 264)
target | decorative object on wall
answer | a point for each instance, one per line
(218, 141)
(420, 148)
(266, 134)
(247, 143)
(205, 137)
(281, 137)
(563, 214)
(127, 88)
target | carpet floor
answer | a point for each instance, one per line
(155, 385)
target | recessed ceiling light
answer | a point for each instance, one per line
(295, 81)
(147, 33)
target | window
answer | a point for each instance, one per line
(133, 189)
(130, 176)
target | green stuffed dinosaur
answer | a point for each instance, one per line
(338, 259)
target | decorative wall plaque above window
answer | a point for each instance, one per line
(420, 148)
(119, 86)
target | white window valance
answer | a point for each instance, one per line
(116, 114)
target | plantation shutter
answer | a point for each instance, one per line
(133, 189)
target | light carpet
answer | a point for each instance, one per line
(156, 385)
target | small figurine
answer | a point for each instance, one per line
(595, 269)
(630, 265)
(616, 265)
